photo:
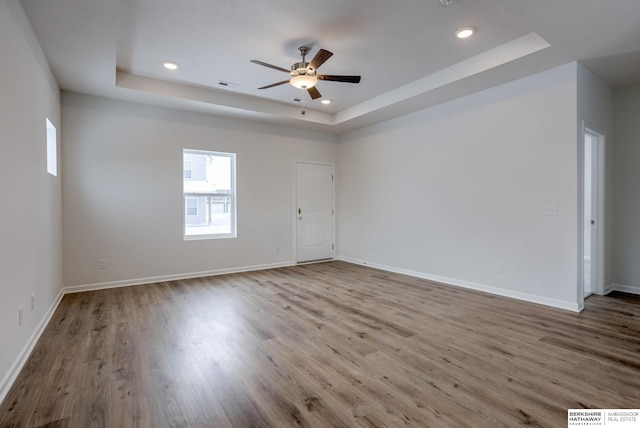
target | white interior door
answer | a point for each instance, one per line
(590, 198)
(593, 238)
(314, 212)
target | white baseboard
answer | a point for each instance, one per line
(10, 377)
(532, 298)
(632, 289)
(154, 279)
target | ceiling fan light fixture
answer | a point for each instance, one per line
(465, 32)
(303, 81)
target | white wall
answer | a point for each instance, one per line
(627, 196)
(595, 112)
(123, 190)
(452, 191)
(30, 223)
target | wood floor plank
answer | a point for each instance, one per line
(323, 345)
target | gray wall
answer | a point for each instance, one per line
(123, 190)
(454, 191)
(30, 218)
(627, 193)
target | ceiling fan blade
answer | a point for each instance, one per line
(313, 91)
(274, 84)
(275, 67)
(319, 59)
(332, 78)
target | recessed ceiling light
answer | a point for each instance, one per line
(326, 101)
(465, 32)
(170, 65)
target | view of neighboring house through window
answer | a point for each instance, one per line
(192, 207)
(209, 194)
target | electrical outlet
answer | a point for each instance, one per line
(500, 267)
(33, 302)
(548, 210)
(276, 249)
(102, 264)
(20, 316)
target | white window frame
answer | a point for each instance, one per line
(231, 195)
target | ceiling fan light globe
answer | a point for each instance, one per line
(303, 81)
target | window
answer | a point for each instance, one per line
(52, 149)
(192, 206)
(209, 194)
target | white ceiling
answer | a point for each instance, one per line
(405, 51)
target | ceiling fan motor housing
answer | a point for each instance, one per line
(301, 69)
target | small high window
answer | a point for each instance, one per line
(209, 190)
(52, 149)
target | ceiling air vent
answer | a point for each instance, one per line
(226, 84)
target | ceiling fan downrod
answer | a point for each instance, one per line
(303, 51)
(300, 68)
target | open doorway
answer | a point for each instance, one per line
(593, 218)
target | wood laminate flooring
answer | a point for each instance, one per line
(323, 345)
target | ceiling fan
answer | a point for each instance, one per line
(303, 74)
